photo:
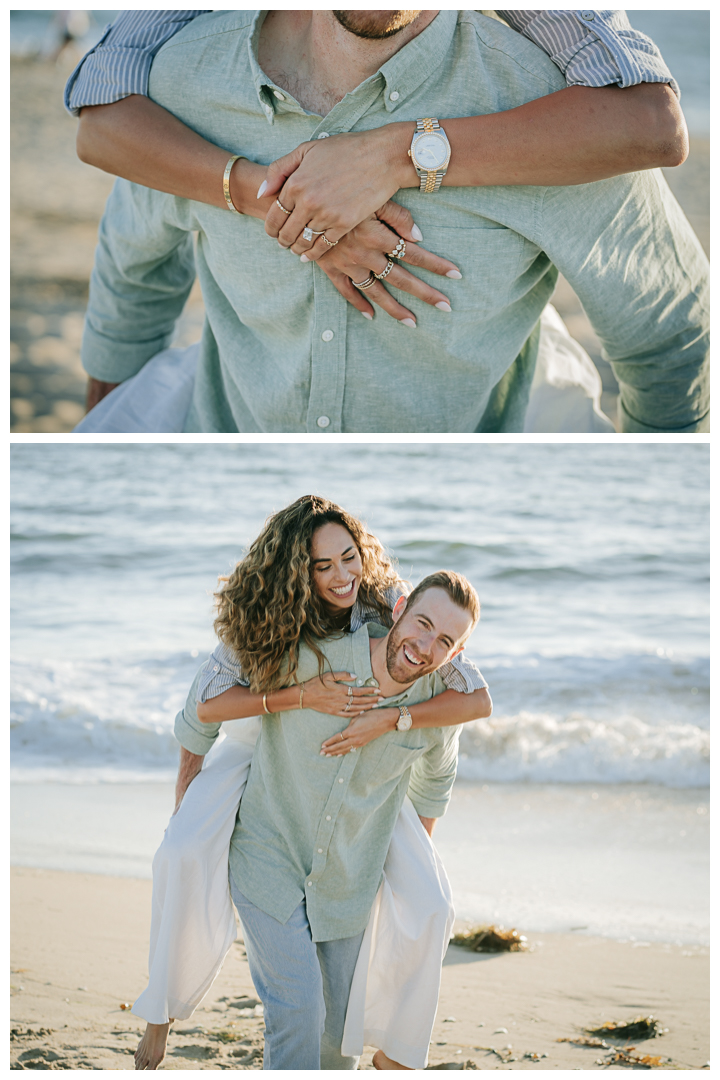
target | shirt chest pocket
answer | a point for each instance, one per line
(395, 759)
(493, 262)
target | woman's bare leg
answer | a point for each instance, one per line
(382, 1061)
(153, 1044)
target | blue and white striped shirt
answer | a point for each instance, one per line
(591, 48)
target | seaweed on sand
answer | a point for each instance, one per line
(490, 939)
(642, 1027)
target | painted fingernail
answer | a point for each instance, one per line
(443, 306)
(409, 322)
(367, 315)
(416, 234)
(323, 754)
(304, 258)
(454, 274)
(262, 189)
(352, 674)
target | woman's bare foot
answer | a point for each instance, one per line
(153, 1044)
(382, 1061)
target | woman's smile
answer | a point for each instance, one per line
(337, 566)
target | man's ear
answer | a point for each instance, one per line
(400, 606)
(456, 653)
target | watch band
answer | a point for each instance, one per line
(404, 722)
(429, 180)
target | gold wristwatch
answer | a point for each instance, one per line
(430, 154)
(405, 719)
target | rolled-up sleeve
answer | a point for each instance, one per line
(119, 65)
(143, 273)
(221, 672)
(190, 732)
(594, 48)
(433, 775)
(462, 675)
(641, 275)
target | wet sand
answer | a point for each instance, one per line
(78, 953)
(54, 217)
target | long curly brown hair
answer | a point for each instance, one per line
(268, 605)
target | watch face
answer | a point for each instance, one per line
(430, 151)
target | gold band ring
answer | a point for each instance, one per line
(398, 252)
(278, 203)
(364, 284)
(330, 243)
(386, 271)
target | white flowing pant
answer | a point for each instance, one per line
(394, 995)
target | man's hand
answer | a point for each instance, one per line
(428, 824)
(96, 391)
(190, 766)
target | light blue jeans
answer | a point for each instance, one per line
(304, 987)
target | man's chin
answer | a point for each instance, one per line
(403, 672)
(375, 25)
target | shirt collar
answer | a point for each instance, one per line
(415, 62)
(402, 74)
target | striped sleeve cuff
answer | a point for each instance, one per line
(119, 65)
(462, 675)
(594, 48)
(219, 673)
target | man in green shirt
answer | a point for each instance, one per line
(307, 853)
(283, 351)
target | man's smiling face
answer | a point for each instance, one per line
(426, 636)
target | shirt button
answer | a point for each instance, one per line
(394, 96)
(328, 817)
(340, 780)
(323, 421)
(588, 15)
(324, 135)
(327, 335)
(309, 884)
(319, 851)
(278, 95)
(216, 667)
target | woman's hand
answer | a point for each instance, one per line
(335, 183)
(363, 251)
(333, 695)
(361, 731)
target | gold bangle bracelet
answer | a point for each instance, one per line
(226, 189)
(265, 704)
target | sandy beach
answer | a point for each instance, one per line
(53, 240)
(78, 953)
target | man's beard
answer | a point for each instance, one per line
(375, 25)
(396, 672)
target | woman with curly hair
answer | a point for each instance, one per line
(313, 572)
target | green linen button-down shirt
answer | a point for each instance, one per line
(319, 827)
(282, 351)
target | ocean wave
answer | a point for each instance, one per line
(562, 719)
(540, 748)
